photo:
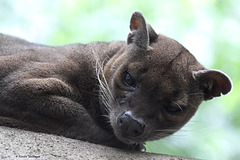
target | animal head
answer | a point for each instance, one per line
(154, 85)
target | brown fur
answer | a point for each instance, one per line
(117, 94)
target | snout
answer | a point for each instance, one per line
(129, 126)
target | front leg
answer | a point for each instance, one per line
(47, 105)
(57, 115)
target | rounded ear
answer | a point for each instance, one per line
(152, 34)
(141, 33)
(214, 82)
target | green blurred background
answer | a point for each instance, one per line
(210, 29)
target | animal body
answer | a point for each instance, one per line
(119, 94)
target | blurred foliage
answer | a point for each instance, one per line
(210, 29)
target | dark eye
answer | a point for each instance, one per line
(173, 109)
(128, 80)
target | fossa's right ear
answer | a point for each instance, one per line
(141, 33)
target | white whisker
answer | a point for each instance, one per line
(166, 130)
(104, 90)
(178, 105)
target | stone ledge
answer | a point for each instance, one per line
(20, 144)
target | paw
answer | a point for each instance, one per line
(137, 147)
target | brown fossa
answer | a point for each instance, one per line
(119, 94)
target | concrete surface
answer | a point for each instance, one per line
(20, 144)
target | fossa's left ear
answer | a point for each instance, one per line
(214, 82)
(141, 33)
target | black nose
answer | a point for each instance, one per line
(129, 126)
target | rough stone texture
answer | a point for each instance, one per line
(20, 144)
